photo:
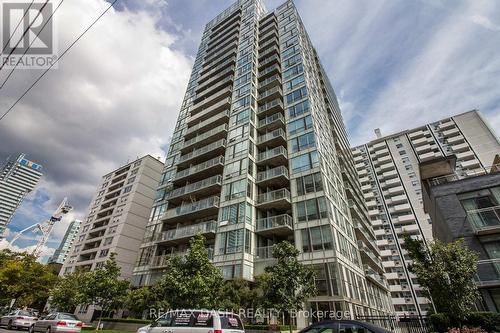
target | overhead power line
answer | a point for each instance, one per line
(33, 41)
(57, 60)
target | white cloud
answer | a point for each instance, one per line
(115, 96)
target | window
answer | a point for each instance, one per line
(303, 142)
(237, 189)
(236, 168)
(293, 83)
(311, 209)
(402, 152)
(164, 321)
(131, 180)
(298, 109)
(317, 238)
(241, 117)
(103, 253)
(108, 241)
(305, 162)
(309, 184)
(237, 149)
(296, 95)
(232, 241)
(127, 189)
(297, 69)
(236, 213)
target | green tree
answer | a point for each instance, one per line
(288, 284)
(69, 291)
(446, 271)
(24, 279)
(143, 298)
(240, 294)
(104, 288)
(191, 281)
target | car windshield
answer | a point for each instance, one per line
(67, 316)
(231, 321)
(24, 313)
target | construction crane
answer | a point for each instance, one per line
(45, 227)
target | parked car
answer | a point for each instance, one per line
(18, 319)
(343, 326)
(195, 321)
(58, 322)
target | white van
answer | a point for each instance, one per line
(195, 321)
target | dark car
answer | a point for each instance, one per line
(343, 326)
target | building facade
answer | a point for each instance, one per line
(260, 155)
(116, 221)
(468, 207)
(18, 177)
(61, 253)
(388, 169)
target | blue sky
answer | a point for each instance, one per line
(394, 64)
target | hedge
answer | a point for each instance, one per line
(489, 321)
(126, 320)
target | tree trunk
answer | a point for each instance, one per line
(290, 321)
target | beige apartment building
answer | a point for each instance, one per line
(116, 221)
(388, 169)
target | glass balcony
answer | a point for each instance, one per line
(275, 156)
(270, 82)
(275, 225)
(206, 103)
(214, 78)
(214, 68)
(376, 277)
(208, 229)
(273, 59)
(279, 199)
(202, 187)
(485, 220)
(197, 154)
(207, 137)
(266, 44)
(273, 177)
(264, 253)
(202, 170)
(193, 210)
(274, 69)
(272, 139)
(216, 86)
(369, 258)
(162, 260)
(274, 121)
(270, 94)
(271, 107)
(220, 47)
(211, 122)
(488, 273)
(266, 52)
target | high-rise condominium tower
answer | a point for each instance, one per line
(260, 155)
(18, 177)
(64, 248)
(388, 168)
(116, 221)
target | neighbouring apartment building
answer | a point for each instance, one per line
(260, 155)
(116, 221)
(61, 253)
(388, 169)
(468, 206)
(18, 177)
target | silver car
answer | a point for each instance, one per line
(18, 319)
(58, 322)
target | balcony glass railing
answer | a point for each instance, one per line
(264, 252)
(488, 272)
(271, 135)
(208, 121)
(189, 231)
(199, 167)
(271, 119)
(198, 152)
(270, 105)
(270, 79)
(269, 69)
(270, 92)
(205, 135)
(275, 222)
(272, 173)
(484, 219)
(193, 207)
(272, 153)
(195, 187)
(162, 260)
(273, 196)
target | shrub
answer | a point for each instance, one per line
(488, 321)
(466, 329)
(440, 322)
